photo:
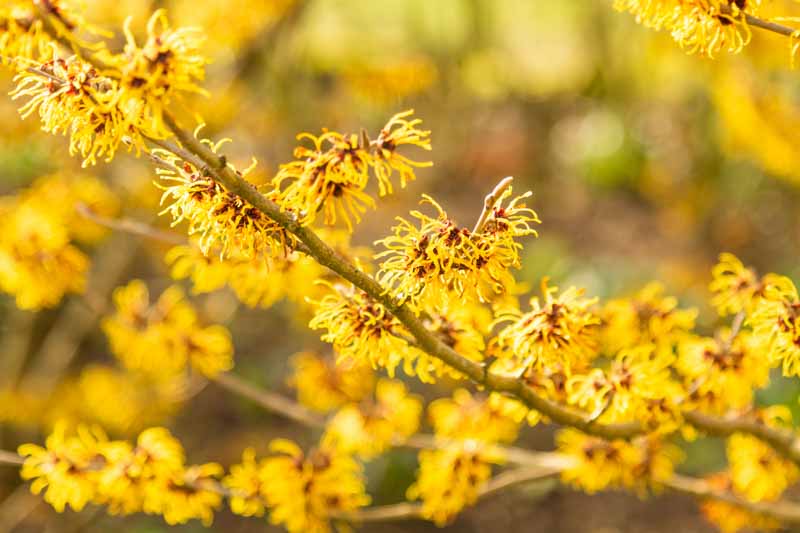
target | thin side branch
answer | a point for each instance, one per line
(489, 201)
(270, 401)
(127, 225)
(10, 458)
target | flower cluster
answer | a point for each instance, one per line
(423, 262)
(306, 492)
(24, 36)
(332, 175)
(110, 99)
(640, 464)
(223, 221)
(324, 385)
(163, 338)
(775, 320)
(451, 477)
(371, 426)
(361, 329)
(560, 329)
(705, 27)
(150, 477)
(39, 263)
(168, 64)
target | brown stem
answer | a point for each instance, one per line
(130, 226)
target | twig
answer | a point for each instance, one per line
(786, 512)
(271, 401)
(130, 226)
(408, 511)
(783, 440)
(489, 201)
(10, 458)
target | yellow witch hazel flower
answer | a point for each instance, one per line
(257, 281)
(149, 477)
(361, 329)
(757, 471)
(734, 286)
(223, 221)
(163, 338)
(731, 518)
(599, 464)
(647, 317)
(705, 27)
(323, 385)
(244, 482)
(371, 426)
(74, 99)
(558, 330)
(776, 324)
(38, 264)
(67, 467)
(425, 261)
(304, 492)
(450, 479)
(472, 417)
(332, 175)
(168, 64)
(22, 32)
(636, 380)
(722, 369)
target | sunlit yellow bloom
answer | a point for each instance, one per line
(165, 337)
(331, 176)
(361, 329)
(729, 369)
(734, 286)
(731, 518)
(73, 99)
(168, 64)
(640, 464)
(224, 222)
(647, 317)
(450, 479)
(635, 380)
(38, 265)
(66, 468)
(304, 491)
(758, 472)
(776, 324)
(186, 495)
(61, 194)
(399, 131)
(244, 483)
(706, 27)
(558, 330)
(324, 385)
(371, 426)
(257, 281)
(472, 417)
(22, 32)
(427, 260)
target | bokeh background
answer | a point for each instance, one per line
(645, 164)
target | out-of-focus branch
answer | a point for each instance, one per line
(784, 441)
(272, 402)
(133, 227)
(786, 512)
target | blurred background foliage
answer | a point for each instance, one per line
(645, 164)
